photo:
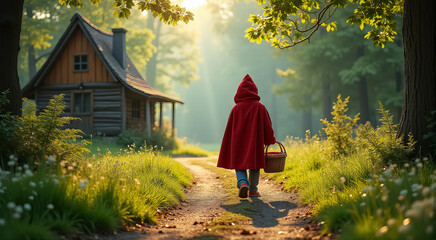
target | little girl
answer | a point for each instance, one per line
(248, 130)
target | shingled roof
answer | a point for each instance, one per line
(101, 41)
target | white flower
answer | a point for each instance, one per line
(398, 181)
(13, 157)
(417, 160)
(31, 197)
(425, 159)
(83, 183)
(16, 215)
(27, 206)
(419, 165)
(342, 179)
(51, 159)
(2, 222)
(28, 173)
(50, 206)
(391, 222)
(32, 184)
(19, 209)
(388, 172)
(415, 187)
(25, 166)
(11, 163)
(34, 193)
(19, 168)
(403, 192)
(11, 205)
(363, 204)
(381, 179)
(56, 181)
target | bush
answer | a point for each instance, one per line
(8, 126)
(158, 139)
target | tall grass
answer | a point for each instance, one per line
(100, 193)
(367, 188)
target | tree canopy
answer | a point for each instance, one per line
(286, 23)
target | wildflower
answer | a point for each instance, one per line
(382, 230)
(391, 222)
(11, 163)
(15, 179)
(25, 166)
(406, 221)
(406, 165)
(50, 206)
(83, 183)
(11, 205)
(417, 160)
(342, 179)
(403, 192)
(381, 179)
(34, 193)
(28, 173)
(363, 204)
(429, 229)
(368, 189)
(2, 222)
(27, 206)
(16, 215)
(416, 187)
(403, 228)
(415, 194)
(56, 181)
(51, 159)
(398, 181)
(419, 165)
(425, 159)
(31, 197)
(19, 209)
(19, 168)
(364, 195)
(388, 172)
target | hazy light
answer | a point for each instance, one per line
(193, 4)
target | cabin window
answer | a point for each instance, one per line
(82, 102)
(136, 108)
(80, 63)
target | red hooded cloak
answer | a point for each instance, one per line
(248, 129)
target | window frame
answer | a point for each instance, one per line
(91, 102)
(80, 63)
(136, 109)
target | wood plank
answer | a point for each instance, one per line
(64, 66)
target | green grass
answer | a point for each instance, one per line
(355, 197)
(93, 194)
(102, 146)
(187, 150)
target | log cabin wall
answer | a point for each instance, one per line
(106, 104)
(135, 122)
(63, 70)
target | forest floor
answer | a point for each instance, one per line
(208, 212)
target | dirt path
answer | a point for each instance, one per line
(275, 215)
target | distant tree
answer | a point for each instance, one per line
(286, 23)
(10, 29)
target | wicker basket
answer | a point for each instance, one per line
(275, 161)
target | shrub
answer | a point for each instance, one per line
(43, 135)
(158, 138)
(339, 131)
(8, 126)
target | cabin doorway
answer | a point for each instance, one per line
(82, 108)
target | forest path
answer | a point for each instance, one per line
(207, 212)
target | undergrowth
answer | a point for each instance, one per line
(361, 180)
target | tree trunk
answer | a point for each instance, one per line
(326, 98)
(399, 89)
(419, 35)
(31, 59)
(152, 63)
(10, 28)
(307, 116)
(363, 93)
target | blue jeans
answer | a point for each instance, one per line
(252, 181)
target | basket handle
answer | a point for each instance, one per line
(282, 148)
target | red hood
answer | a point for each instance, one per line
(247, 90)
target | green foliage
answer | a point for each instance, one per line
(8, 126)
(97, 194)
(286, 23)
(339, 131)
(157, 139)
(164, 9)
(43, 135)
(431, 135)
(382, 143)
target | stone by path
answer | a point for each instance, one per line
(276, 214)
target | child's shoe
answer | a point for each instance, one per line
(254, 194)
(243, 191)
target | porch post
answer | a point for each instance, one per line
(147, 116)
(160, 116)
(173, 119)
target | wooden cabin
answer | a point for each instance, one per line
(101, 84)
